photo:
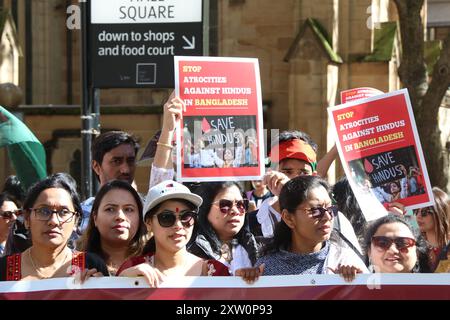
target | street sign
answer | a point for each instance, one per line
(132, 43)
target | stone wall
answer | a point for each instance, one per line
(297, 92)
(263, 29)
(49, 54)
(44, 127)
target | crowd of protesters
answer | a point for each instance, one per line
(296, 224)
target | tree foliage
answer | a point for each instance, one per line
(426, 92)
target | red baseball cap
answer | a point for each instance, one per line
(293, 149)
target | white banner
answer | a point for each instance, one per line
(290, 287)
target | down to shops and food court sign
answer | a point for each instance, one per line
(133, 42)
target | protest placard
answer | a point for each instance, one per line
(359, 93)
(222, 134)
(381, 153)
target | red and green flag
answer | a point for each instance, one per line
(25, 151)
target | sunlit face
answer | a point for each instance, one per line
(118, 164)
(426, 223)
(394, 188)
(293, 168)
(6, 223)
(392, 260)
(226, 225)
(228, 155)
(175, 237)
(52, 233)
(306, 228)
(257, 184)
(117, 219)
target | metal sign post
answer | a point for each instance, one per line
(95, 98)
(86, 118)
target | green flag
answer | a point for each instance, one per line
(25, 152)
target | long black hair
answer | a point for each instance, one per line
(347, 204)
(91, 240)
(208, 191)
(19, 238)
(421, 245)
(293, 193)
(14, 189)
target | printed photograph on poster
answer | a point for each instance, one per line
(379, 146)
(391, 175)
(224, 142)
(222, 134)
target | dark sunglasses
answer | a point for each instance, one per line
(168, 218)
(226, 206)
(9, 214)
(402, 243)
(319, 212)
(424, 211)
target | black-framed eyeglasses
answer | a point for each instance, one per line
(423, 211)
(167, 219)
(45, 213)
(9, 214)
(401, 243)
(226, 206)
(319, 212)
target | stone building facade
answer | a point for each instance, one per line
(308, 52)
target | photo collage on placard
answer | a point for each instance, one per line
(391, 175)
(220, 142)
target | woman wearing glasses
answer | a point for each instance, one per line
(434, 224)
(51, 211)
(171, 212)
(116, 229)
(8, 215)
(303, 241)
(391, 247)
(223, 232)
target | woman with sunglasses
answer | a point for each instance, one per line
(434, 224)
(391, 247)
(8, 215)
(303, 241)
(18, 238)
(51, 211)
(223, 232)
(116, 229)
(170, 211)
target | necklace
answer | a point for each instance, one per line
(178, 270)
(40, 275)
